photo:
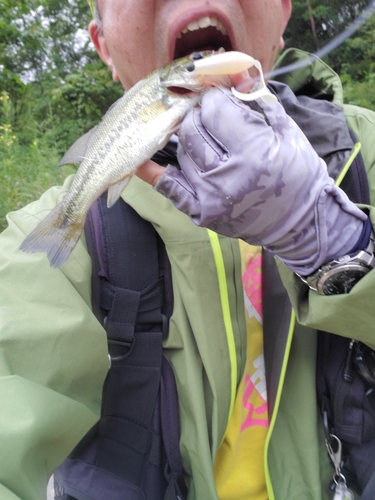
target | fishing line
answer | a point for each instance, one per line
(332, 45)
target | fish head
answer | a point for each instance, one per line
(178, 76)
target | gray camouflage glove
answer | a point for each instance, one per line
(251, 173)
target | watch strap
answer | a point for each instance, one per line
(360, 261)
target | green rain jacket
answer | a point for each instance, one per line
(53, 351)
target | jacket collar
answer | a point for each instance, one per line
(315, 72)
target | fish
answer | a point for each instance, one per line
(134, 128)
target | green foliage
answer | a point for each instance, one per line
(66, 111)
(359, 93)
(298, 32)
(26, 170)
(81, 101)
(39, 37)
(53, 88)
(328, 18)
(51, 71)
(358, 53)
(354, 60)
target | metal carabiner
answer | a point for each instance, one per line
(335, 456)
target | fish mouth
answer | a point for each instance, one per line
(177, 80)
(204, 33)
(180, 90)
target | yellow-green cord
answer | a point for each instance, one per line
(223, 288)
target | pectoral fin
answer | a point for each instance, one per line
(114, 191)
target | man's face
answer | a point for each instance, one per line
(138, 36)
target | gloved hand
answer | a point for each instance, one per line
(251, 173)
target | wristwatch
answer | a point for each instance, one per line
(340, 275)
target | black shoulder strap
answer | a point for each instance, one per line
(130, 267)
(132, 297)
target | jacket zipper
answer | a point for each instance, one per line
(223, 290)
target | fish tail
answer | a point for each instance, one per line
(56, 235)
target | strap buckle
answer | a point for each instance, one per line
(129, 345)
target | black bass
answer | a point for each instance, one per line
(132, 131)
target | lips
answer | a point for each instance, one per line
(204, 33)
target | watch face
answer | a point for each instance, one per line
(342, 281)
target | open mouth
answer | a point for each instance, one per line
(206, 33)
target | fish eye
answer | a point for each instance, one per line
(195, 56)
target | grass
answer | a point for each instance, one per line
(26, 169)
(25, 173)
(359, 93)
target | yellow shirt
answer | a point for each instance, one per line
(239, 467)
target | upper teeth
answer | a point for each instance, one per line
(204, 22)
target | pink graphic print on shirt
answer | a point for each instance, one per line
(250, 420)
(252, 283)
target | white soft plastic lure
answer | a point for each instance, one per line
(229, 63)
